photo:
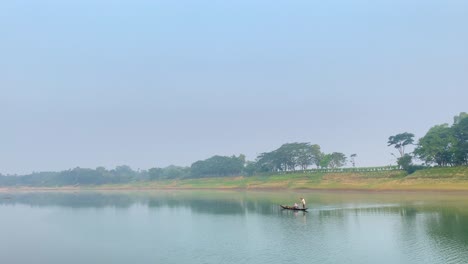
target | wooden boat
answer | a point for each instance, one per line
(292, 208)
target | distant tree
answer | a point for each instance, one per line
(405, 162)
(218, 166)
(101, 169)
(325, 160)
(124, 174)
(316, 155)
(400, 141)
(250, 168)
(287, 155)
(241, 158)
(124, 170)
(290, 156)
(352, 158)
(175, 172)
(268, 161)
(305, 154)
(337, 160)
(155, 173)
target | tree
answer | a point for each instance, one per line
(458, 118)
(123, 174)
(316, 155)
(437, 146)
(305, 154)
(333, 160)
(325, 160)
(250, 168)
(218, 166)
(405, 162)
(268, 161)
(289, 156)
(460, 134)
(155, 173)
(352, 157)
(175, 172)
(337, 160)
(400, 141)
(277, 160)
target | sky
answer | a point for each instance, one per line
(151, 83)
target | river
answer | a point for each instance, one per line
(232, 227)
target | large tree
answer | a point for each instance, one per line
(460, 133)
(288, 157)
(400, 141)
(306, 154)
(437, 146)
(316, 155)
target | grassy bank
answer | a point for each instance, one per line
(443, 179)
(433, 179)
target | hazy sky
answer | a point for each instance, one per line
(152, 83)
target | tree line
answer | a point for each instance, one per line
(443, 145)
(288, 157)
(294, 156)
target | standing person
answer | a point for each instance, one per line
(303, 203)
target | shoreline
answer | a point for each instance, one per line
(262, 189)
(440, 180)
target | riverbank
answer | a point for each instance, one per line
(433, 179)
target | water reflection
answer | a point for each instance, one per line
(200, 203)
(324, 204)
(448, 225)
(73, 200)
(338, 227)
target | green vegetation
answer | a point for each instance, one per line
(218, 166)
(443, 145)
(400, 141)
(460, 173)
(448, 179)
(292, 165)
(291, 156)
(441, 178)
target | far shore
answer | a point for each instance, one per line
(133, 189)
(429, 180)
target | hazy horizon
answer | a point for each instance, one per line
(153, 83)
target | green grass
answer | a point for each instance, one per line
(445, 179)
(460, 172)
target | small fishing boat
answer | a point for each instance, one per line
(292, 208)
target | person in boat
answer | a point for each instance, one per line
(296, 206)
(303, 203)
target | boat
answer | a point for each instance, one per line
(287, 207)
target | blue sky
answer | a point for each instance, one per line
(151, 83)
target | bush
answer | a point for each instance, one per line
(412, 168)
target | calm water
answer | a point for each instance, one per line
(232, 227)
